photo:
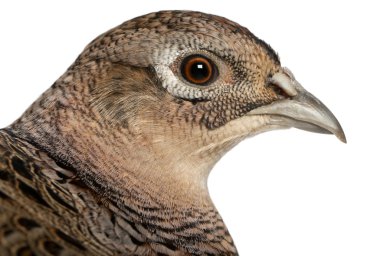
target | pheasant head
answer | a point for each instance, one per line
(150, 106)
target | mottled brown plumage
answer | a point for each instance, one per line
(113, 159)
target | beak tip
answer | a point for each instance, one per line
(342, 138)
(339, 133)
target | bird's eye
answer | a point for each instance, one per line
(199, 70)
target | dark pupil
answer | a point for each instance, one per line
(199, 71)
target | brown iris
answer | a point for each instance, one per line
(198, 70)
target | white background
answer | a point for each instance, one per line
(281, 193)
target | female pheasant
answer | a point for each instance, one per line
(113, 159)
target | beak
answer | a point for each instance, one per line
(300, 109)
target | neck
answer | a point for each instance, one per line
(139, 217)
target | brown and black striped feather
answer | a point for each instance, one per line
(46, 210)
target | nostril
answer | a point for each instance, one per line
(283, 85)
(279, 91)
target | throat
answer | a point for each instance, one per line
(121, 168)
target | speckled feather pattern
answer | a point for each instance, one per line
(46, 209)
(113, 159)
